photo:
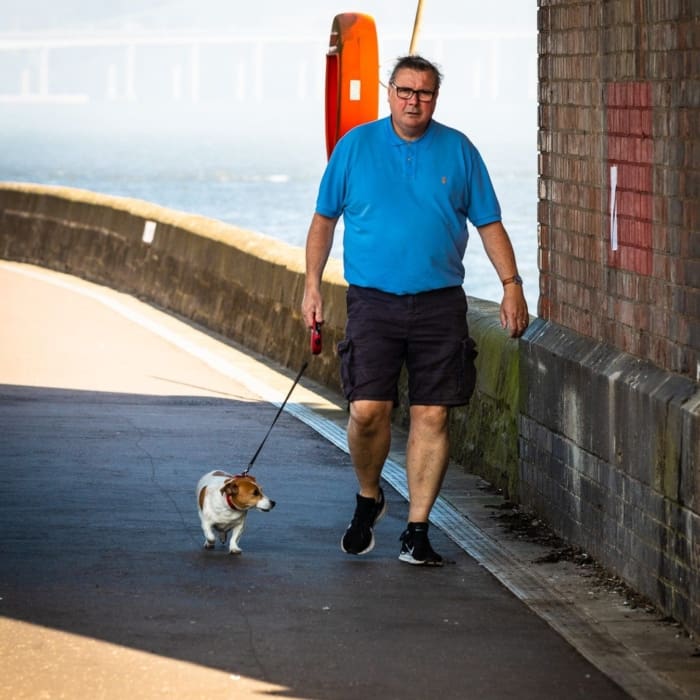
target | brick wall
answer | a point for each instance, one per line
(610, 415)
(619, 139)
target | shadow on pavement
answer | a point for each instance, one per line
(100, 537)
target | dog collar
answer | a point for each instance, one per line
(230, 502)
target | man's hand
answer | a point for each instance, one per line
(514, 313)
(312, 308)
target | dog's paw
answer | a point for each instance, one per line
(237, 550)
(208, 544)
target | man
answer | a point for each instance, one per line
(405, 186)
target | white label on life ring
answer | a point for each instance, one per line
(355, 90)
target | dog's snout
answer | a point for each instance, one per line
(268, 506)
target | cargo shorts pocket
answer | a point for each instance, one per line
(468, 374)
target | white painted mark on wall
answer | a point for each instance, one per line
(613, 207)
(149, 232)
(355, 86)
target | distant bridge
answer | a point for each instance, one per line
(199, 67)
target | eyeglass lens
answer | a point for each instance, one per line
(406, 93)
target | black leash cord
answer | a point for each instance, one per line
(281, 408)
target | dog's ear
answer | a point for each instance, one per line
(230, 487)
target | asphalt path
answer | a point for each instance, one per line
(106, 591)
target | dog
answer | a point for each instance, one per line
(224, 501)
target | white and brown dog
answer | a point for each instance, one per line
(224, 501)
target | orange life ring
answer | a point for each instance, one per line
(352, 75)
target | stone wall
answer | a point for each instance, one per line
(609, 455)
(240, 284)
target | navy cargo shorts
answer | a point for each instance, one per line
(426, 332)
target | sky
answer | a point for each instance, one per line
(314, 15)
(489, 86)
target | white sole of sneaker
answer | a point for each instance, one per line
(408, 559)
(367, 549)
(370, 547)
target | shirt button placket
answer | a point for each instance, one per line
(410, 162)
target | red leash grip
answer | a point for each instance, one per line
(316, 340)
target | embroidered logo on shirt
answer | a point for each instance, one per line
(443, 180)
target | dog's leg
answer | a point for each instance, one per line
(236, 533)
(209, 536)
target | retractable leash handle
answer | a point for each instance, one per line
(316, 338)
(281, 408)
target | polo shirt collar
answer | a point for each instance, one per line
(395, 140)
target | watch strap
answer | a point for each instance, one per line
(515, 279)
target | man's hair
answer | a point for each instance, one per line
(417, 63)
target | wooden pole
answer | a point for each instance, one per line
(416, 28)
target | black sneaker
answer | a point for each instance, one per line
(359, 537)
(415, 546)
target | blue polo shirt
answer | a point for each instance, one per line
(405, 205)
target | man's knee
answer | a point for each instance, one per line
(370, 416)
(433, 418)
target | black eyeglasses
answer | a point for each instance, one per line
(406, 93)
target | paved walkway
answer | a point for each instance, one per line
(109, 413)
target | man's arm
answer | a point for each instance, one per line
(318, 247)
(514, 313)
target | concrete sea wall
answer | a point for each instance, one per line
(603, 445)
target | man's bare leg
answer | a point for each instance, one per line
(369, 439)
(427, 456)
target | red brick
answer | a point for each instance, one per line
(620, 85)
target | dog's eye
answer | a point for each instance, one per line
(256, 492)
